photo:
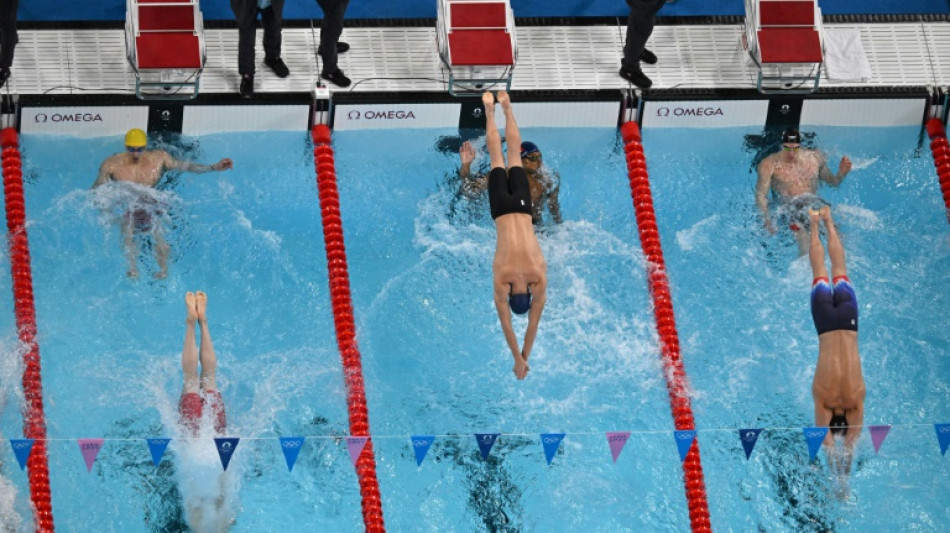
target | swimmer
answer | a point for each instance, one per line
(838, 387)
(519, 270)
(792, 176)
(545, 184)
(197, 391)
(146, 168)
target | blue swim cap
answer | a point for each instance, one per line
(519, 303)
(528, 147)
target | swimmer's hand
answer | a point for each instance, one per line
(521, 368)
(224, 164)
(467, 153)
(770, 227)
(844, 167)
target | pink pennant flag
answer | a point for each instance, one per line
(90, 449)
(617, 440)
(355, 446)
(877, 435)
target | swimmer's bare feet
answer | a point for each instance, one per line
(488, 100)
(132, 272)
(813, 216)
(825, 213)
(201, 305)
(191, 310)
(161, 274)
(504, 100)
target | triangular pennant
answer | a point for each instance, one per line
(551, 442)
(355, 446)
(421, 445)
(814, 437)
(157, 447)
(485, 442)
(226, 447)
(943, 437)
(748, 437)
(291, 447)
(22, 449)
(684, 439)
(616, 440)
(878, 433)
(90, 449)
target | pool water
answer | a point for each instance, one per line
(435, 361)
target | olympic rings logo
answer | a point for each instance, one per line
(944, 429)
(21, 445)
(685, 436)
(292, 444)
(421, 442)
(815, 434)
(552, 440)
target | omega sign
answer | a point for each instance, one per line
(41, 118)
(689, 111)
(380, 115)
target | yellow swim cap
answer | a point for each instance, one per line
(136, 137)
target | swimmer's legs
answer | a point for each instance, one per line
(835, 249)
(128, 242)
(512, 135)
(161, 252)
(209, 361)
(492, 137)
(816, 252)
(189, 353)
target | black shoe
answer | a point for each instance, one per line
(636, 77)
(4, 76)
(648, 57)
(247, 86)
(341, 48)
(277, 65)
(336, 77)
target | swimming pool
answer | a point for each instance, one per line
(433, 356)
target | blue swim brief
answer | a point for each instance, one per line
(834, 308)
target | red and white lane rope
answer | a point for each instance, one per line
(665, 324)
(346, 325)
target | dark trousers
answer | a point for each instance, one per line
(639, 28)
(8, 35)
(245, 14)
(330, 30)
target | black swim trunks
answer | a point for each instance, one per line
(509, 192)
(834, 308)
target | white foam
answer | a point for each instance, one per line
(861, 217)
(697, 235)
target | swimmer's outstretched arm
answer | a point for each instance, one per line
(504, 317)
(554, 202)
(170, 163)
(824, 173)
(538, 299)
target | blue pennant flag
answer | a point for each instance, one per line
(814, 437)
(748, 438)
(485, 442)
(684, 439)
(226, 447)
(943, 437)
(551, 442)
(421, 445)
(23, 447)
(157, 447)
(291, 447)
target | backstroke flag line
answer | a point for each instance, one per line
(684, 439)
(616, 440)
(485, 442)
(551, 442)
(814, 437)
(226, 447)
(878, 433)
(355, 446)
(157, 446)
(421, 445)
(22, 449)
(748, 437)
(90, 449)
(291, 447)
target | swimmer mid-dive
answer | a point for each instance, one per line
(145, 167)
(792, 175)
(205, 499)
(838, 387)
(519, 270)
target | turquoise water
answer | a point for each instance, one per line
(434, 358)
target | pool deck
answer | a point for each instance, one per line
(386, 59)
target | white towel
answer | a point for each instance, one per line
(844, 55)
